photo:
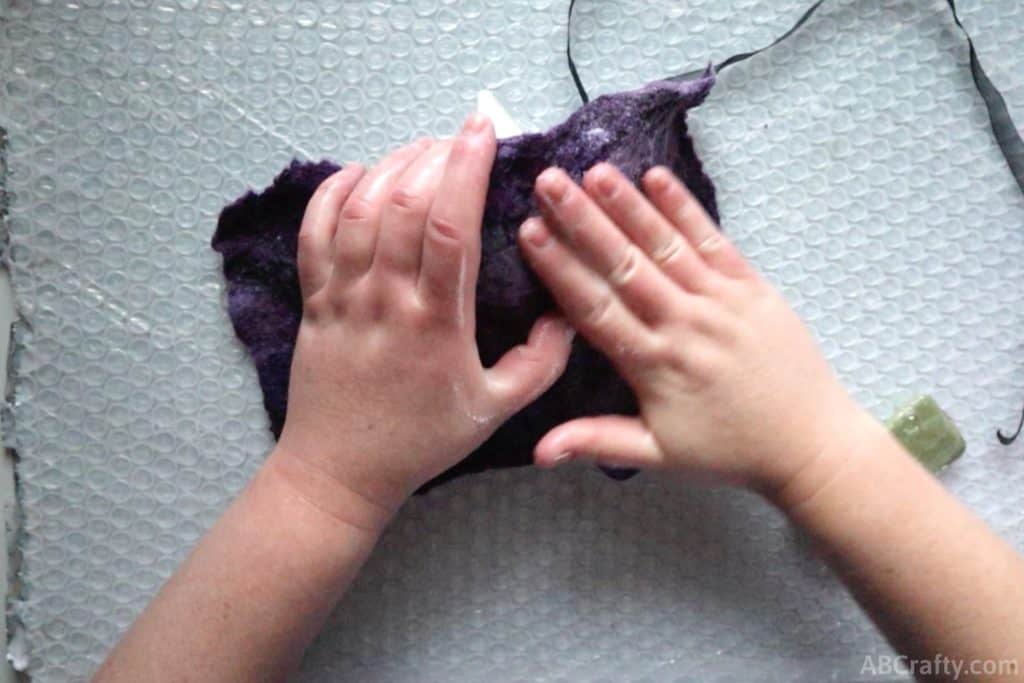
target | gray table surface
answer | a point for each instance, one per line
(854, 166)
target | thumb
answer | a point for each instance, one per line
(528, 370)
(609, 440)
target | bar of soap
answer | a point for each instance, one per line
(927, 432)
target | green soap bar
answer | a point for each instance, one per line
(927, 432)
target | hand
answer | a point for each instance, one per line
(387, 389)
(729, 381)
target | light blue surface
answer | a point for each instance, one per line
(854, 166)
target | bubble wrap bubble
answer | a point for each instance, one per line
(855, 167)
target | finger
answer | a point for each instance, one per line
(318, 225)
(590, 305)
(451, 237)
(356, 236)
(528, 370)
(609, 440)
(680, 207)
(401, 229)
(645, 225)
(593, 238)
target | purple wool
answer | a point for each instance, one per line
(257, 235)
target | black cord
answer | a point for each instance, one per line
(1007, 440)
(744, 56)
(568, 55)
(735, 59)
(1007, 136)
(1003, 127)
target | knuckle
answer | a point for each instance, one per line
(596, 313)
(437, 290)
(660, 353)
(731, 336)
(625, 270)
(440, 226)
(352, 255)
(440, 281)
(669, 252)
(703, 367)
(691, 363)
(723, 291)
(355, 290)
(709, 283)
(432, 312)
(415, 311)
(357, 209)
(407, 200)
(712, 243)
(373, 300)
(705, 311)
(317, 307)
(699, 319)
(661, 350)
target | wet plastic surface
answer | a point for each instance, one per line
(854, 165)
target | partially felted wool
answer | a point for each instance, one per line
(635, 130)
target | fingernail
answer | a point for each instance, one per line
(658, 177)
(552, 184)
(534, 232)
(561, 458)
(559, 325)
(475, 123)
(604, 179)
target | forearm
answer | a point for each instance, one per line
(696, 332)
(931, 574)
(254, 592)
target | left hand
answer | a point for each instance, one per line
(387, 388)
(730, 383)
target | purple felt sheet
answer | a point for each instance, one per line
(634, 130)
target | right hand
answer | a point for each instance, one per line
(387, 389)
(729, 381)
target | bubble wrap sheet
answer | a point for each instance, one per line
(855, 167)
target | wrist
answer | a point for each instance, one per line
(862, 440)
(338, 501)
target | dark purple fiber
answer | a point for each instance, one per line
(634, 130)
